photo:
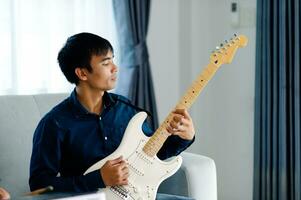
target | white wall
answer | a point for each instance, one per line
(181, 36)
(163, 42)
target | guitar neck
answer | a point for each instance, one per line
(155, 143)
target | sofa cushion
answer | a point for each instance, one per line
(19, 117)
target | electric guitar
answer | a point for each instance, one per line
(146, 171)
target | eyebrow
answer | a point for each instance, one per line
(107, 58)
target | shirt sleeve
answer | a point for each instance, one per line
(173, 146)
(46, 158)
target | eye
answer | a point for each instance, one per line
(105, 63)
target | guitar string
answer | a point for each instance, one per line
(192, 94)
(186, 101)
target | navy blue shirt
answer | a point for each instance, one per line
(69, 139)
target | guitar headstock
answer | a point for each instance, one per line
(226, 51)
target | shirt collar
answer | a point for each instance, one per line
(108, 101)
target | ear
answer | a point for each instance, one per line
(81, 73)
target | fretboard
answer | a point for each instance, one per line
(155, 143)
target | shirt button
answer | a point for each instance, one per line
(99, 118)
(106, 138)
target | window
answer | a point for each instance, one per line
(33, 31)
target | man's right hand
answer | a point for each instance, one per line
(115, 172)
(4, 195)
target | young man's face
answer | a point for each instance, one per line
(104, 72)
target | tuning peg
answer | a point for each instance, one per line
(226, 41)
(236, 37)
(217, 48)
(221, 45)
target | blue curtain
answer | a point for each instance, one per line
(277, 142)
(135, 79)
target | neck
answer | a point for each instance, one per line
(92, 100)
(157, 140)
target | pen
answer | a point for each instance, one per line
(40, 191)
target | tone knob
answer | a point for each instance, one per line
(136, 189)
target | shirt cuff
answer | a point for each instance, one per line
(94, 180)
(185, 143)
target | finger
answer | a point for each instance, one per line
(121, 165)
(186, 114)
(169, 129)
(182, 112)
(181, 129)
(123, 179)
(125, 170)
(123, 182)
(177, 117)
(179, 111)
(185, 122)
(116, 160)
(174, 124)
(125, 175)
(178, 133)
(174, 130)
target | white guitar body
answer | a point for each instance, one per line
(146, 173)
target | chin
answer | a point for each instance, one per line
(111, 88)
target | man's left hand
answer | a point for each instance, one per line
(181, 124)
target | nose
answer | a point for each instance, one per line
(114, 68)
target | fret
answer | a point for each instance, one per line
(223, 55)
(156, 142)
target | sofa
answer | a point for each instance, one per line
(19, 116)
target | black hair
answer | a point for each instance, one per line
(78, 51)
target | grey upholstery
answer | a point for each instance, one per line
(18, 119)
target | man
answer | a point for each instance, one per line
(89, 125)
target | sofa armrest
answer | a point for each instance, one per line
(200, 173)
(196, 178)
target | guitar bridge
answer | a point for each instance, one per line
(120, 191)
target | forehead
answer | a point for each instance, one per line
(102, 57)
